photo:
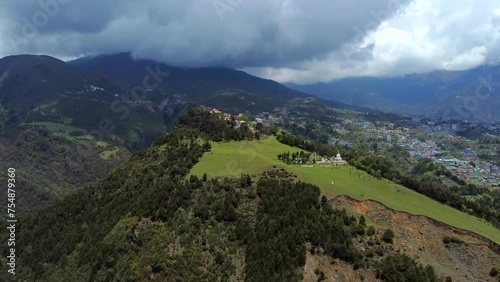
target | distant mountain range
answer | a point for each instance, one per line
(67, 124)
(196, 83)
(45, 89)
(28, 80)
(228, 89)
(116, 98)
(472, 95)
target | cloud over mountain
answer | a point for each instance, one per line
(286, 40)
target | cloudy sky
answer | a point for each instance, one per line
(287, 40)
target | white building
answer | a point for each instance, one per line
(338, 160)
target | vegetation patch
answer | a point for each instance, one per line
(102, 144)
(254, 157)
(402, 268)
(106, 155)
(450, 239)
(494, 272)
(66, 131)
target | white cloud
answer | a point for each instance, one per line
(427, 35)
(469, 59)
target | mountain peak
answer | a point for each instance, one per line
(195, 82)
(23, 62)
(31, 79)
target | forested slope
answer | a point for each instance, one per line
(148, 221)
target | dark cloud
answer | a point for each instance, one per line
(234, 33)
(288, 40)
(424, 36)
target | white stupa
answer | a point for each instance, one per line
(338, 160)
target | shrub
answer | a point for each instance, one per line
(324, 199)
(448, 239)
(370, 253)
(362, 221)
(379, 251)
(388, 236)
(493, 272)
(321, 276)
(370, 231)
(358, 230)
(358, 264)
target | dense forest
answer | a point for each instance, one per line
(51, 166)
(149, 219)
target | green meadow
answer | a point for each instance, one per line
(254, 157)
(65, 130)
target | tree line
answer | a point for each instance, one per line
(299, 157)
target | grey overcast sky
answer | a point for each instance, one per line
(286, 40)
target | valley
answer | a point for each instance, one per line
(259, 141)
(189, 200)
(170, 169)
(471, 95)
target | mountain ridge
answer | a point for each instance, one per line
(120, 66)
(204, 84)
(467, 95)
(80, 120)
(150, 219)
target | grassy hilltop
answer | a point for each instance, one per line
(150, 219)
(253, 157)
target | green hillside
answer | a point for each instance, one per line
(147, 222)
(235, 158)
(53, 160)
(53, 116)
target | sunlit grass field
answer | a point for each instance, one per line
(254, 157)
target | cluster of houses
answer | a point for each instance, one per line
(490, 175)
(436, 124)
(265, 118)
(485, 175)
(418, 149)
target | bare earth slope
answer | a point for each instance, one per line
(417, 236)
